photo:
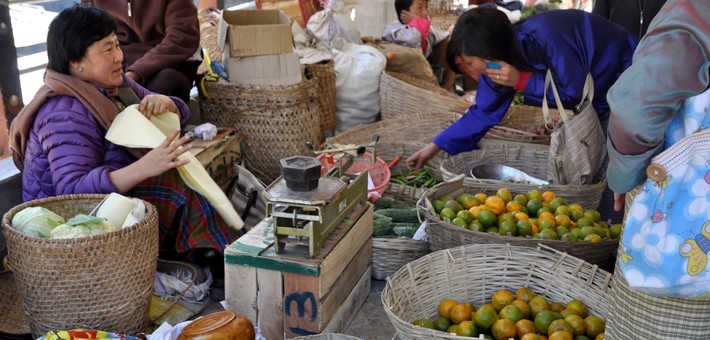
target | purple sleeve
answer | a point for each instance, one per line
(75, 147)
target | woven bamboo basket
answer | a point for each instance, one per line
(520, 124)
(84, 282)
(13, 322)
(391, 253)
(474, 272)
(276, 121)
(444, 235)
(327, 336)
(324, 74)
(403, 95)
(443, 20)
(529, 158)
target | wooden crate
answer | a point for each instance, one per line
(219, 154)
(288, 294)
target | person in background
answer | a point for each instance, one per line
(159, 39)
(58, 139)
(678, 39)
(413, 29)
(511, 58)
(634, 15)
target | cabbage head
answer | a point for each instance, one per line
(83, 226)
(36, 221)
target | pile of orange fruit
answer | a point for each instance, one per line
(535, 214)
(523, 315)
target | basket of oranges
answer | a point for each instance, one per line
(457, 214)
(499, 290)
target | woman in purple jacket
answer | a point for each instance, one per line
(58, 139)
(571, 43)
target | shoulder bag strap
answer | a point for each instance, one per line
(545, 107)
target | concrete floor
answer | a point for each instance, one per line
(371, 322)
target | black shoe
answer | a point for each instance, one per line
(206, 257)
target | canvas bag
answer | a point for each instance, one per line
(666, 237)
(578, 144)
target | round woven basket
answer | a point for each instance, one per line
(444, 235)
(636, 315)
(403, 95)
(13, 323)
(473, 273)
(529, 158)
(520, 124)
(378, 171)
(391, 253)
(84, 282)
(327, 336)
(324, 74)
(276, 121)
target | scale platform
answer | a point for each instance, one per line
(308, 217)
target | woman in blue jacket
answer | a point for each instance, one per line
(570, 43)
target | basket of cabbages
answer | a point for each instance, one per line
(76, 269)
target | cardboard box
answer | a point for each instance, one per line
(289, 293)
(274, 69)
(254, 32)
(219, 155)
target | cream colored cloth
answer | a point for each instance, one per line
(132, 130)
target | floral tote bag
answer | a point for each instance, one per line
(666, 239)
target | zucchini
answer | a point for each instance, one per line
(400, 214)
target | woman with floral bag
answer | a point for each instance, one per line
(659, 142)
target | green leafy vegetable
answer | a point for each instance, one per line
(36, 221)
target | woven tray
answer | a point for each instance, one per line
(276, 121)
(404, 95)
(84, 282)
(324, 74)
(443, 235)
(13, 323)
(474, 272)
(529, 158)
(391, 253)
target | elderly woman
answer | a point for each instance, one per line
(59, 137)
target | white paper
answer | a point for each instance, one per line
(115, 208)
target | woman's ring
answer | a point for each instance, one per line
(150, 104)
(497, 78)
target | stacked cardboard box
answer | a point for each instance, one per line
(258, 48)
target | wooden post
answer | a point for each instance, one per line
(9, 73)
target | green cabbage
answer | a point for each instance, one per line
(82, 226)
(36, 221)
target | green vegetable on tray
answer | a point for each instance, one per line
(420, 178)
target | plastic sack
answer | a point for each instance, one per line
(371, 16)
(334, 21)
(358, 69)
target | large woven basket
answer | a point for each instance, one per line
(276, 121)
(444, 235)
(473, 273)
(520, 124)
(324, 74)
(529, 158)
(391, 253)
(636, 315)
(84, 282)
(403, 95)
(327, 336)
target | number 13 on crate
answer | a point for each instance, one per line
(289, 294)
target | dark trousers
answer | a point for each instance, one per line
(174, 81)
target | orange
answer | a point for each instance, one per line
(534, 204)
(524, 228)
(445, 307)
(548, 196)
(503, 329)
(476, 211)
(462, 197)
(577, 324)
(556, 307)
(481, 196)
(525, 294)
(566, 312)
(438, 205)
(576, 211)
(465, 215)
(470, 202)
(537, 304)
(507, 227)
(563, 221)
(502, 298)
(525, 326)
(453, 205)
(485, 316)
(546, 216)
(543, 320)
(447, 213)
(599, 336)
(560, 325)
(513, 206)
(547, 224)
(460, 313)
(534, 194)
(495, 204)
(520, 198)
(505, 194)
(452, 329)
(530, 336)
(467, 328)
(579, 307)
(487, 218)
(442, 323)
(521, 216)
(511, 312)
(469, 305)
(523, 306)
(560, 335)
(592, 238)
(595, 326)
(426, 323)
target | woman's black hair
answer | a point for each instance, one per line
(402, 5)
(71, 33)
(487, 33)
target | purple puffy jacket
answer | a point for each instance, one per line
(67, 152)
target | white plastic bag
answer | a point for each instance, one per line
(358, 69)
(334, 21)
(371, 16)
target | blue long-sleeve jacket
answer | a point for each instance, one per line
(571, 43)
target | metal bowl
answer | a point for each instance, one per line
(504, 173)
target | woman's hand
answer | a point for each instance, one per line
(156, 104)
(506, 75)
(619, 200)
(423, 156)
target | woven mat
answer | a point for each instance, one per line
(12, 317)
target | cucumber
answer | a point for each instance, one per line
(382, 226)
(401, 214)
(384, 203)
(405, 229)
